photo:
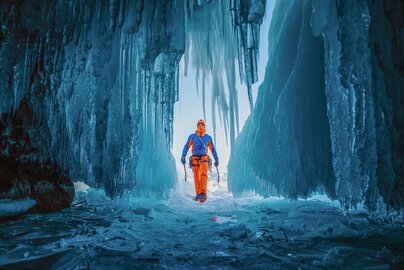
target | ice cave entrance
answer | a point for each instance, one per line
(197, 102)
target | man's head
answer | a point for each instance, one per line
(200, 123)
(200, 127)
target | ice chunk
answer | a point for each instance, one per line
(333, 258)
(15, 207)
(332, 229)
(80, 187)
(386, 255)
(237, 232)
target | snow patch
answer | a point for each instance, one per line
(81, 187)
(15, 207)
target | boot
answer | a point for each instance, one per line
(202, 198)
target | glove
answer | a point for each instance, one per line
(216, 162)
(183, 160)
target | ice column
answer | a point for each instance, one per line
(350, 100)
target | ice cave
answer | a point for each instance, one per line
(302, 102)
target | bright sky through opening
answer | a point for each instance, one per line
(188, 110)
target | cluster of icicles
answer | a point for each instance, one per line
(102, 78)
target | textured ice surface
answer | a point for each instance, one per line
(179, 233)
(284, 147)
(327, 116)
(211, 50)
(214, 46)
(247, 18)
(15, 207)
(101, 79)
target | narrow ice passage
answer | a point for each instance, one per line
(88, 90)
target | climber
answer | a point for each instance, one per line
(200, 161)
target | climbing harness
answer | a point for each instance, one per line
(200, 158)
(195, 160)
(210, 163)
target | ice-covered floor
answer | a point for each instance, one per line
(178, 233)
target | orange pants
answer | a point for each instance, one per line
(200, 170)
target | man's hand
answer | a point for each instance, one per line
(216, 162)
(183, 160)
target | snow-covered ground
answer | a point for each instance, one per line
(179, 233)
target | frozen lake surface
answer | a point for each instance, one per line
(178, 233)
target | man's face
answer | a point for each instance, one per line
(200, 125)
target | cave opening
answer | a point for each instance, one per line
(97, 99)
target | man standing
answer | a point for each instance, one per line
(200, 141)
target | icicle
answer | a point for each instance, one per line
(246, 26)
(112, 14)
(241, 63)
(204, 94)
(250, 39)
(176, 96)
(230, 77)
(217, 35)
(99, 10)
(122, 10)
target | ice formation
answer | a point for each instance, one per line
(101, 80)
(247, 18)
(245, 233)
(215, 46)
(328, 116)
(95, 83)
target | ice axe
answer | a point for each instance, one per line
(218, 176)
(185, 170)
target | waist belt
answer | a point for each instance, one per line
(199, 159)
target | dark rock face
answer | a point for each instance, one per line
(386, 33)
(44, 183)
(24, 172)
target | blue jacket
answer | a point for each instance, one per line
(200, 145)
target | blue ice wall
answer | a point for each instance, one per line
(285, 145)
(329, 114)
(101, 78)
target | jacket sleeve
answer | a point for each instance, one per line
(187, 146)
(212, 149)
